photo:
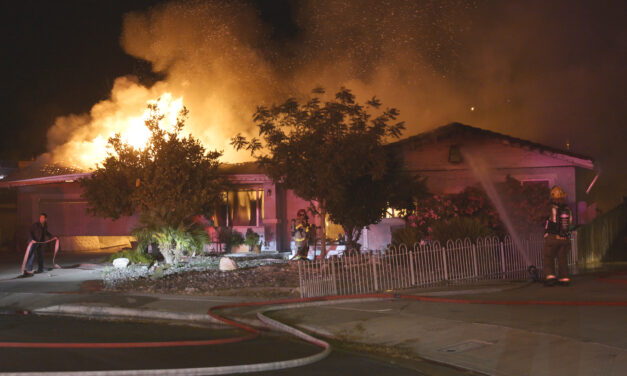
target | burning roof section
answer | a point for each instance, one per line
(37, 173)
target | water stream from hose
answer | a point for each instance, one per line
(482, 172)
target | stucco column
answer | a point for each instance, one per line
(271, 221)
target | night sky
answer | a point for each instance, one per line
(60, 57)
(548, 71)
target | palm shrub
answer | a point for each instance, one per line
(191, 239)
(173, 241)
(461, 228)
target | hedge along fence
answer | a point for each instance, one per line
(603, 239)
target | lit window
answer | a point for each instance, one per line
(395, 213)
(243, 207)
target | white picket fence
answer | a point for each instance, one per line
(460, 262)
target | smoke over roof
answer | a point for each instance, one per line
(548, 72)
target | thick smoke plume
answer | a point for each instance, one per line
(526, 68)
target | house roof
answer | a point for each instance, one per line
(463, 130)
(38, 173)
(241, 168)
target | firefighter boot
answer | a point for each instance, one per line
(550, 281)
(563, 281)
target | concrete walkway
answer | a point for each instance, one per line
(486, 338)
(491, 339)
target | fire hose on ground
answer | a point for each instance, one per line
(253, 333)
(30, 245)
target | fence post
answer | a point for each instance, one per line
(474, 260)
(411, 268)
(444, 263)
(300, 280)
(574, 252)
(503, 260)
(374, 272)
(332, 262)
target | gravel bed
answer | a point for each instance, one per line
(202, 276)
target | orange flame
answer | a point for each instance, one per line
(137, 134)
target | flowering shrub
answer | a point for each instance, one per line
(527, 206)
(461, 228)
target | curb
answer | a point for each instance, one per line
(136, 313)
(82, 310)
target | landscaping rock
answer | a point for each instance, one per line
(121, 263)
(227, 264)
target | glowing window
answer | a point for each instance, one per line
(243, 207)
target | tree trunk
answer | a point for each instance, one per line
(351, 236)
(323, 241)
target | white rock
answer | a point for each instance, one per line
(227, 264)
(121, 262)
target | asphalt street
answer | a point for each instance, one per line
(267, 348)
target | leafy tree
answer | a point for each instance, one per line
(329, 152)
(171, 180)
(363, 200)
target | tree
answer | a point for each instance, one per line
(327, 152)
(363, 200)
(171, 180)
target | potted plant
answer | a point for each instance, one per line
(230, 238)
(252, 240)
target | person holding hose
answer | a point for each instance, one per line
(557, 231)
(38, 233)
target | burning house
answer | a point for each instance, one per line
(443, 156)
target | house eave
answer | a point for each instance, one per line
(68, 178)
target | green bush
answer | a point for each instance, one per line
(461, 228)
(173, 242)
(407, 235)
(252, 239)
(135, 256)
(231, 238)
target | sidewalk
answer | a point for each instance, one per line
(490, 339)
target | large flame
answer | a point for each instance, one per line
(137, 134)
(124, 114)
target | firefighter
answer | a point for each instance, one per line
(557, 239)
(301, 233)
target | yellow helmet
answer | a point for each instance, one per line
(557, 193)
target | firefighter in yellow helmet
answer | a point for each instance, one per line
(300, 232)
(557, 239)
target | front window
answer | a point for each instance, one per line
(395, 213)
(242, 207)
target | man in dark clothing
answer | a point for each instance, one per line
(38, 233)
